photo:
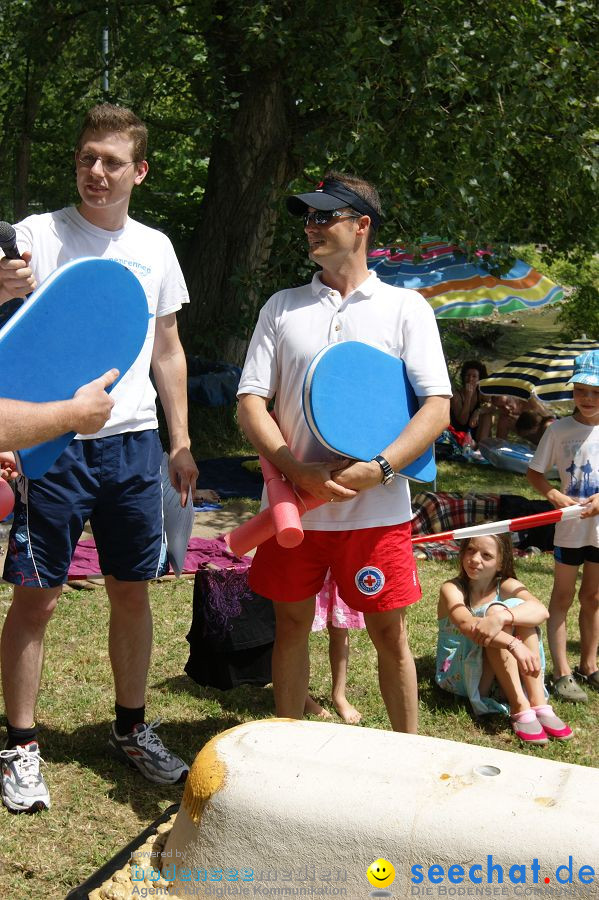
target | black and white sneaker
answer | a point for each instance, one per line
(23, 785)
(143, 750)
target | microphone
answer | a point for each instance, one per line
(8, 245)
(8, 241)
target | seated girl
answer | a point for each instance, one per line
(489, 637)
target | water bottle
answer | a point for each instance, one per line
(467, 449)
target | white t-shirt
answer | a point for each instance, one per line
(58, 237)
(574, 449)
(294, 325)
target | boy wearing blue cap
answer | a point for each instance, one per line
(572, 444)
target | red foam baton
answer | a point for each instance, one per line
(261, 527)
(7, 499)
(544, 518)
(282, 504)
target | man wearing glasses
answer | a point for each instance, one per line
(366, 523)
(111, 477)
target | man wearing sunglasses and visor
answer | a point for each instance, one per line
(365, 526)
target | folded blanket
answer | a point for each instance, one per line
(445, 511)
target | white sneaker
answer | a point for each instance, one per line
(23, 785)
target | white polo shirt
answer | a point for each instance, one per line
(58, 237)
(294, 325)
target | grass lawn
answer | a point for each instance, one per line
(524, 332)
(99, 806)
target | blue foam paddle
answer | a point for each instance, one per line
(357, 400)
(88, 316)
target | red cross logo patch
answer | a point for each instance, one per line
(369, 580)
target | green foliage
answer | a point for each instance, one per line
(579, 273)
(476, 122)
(580, 315)
(467, 339)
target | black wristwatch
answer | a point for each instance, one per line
(388, 473)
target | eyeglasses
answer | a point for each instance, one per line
(321, 217)
(109, 163)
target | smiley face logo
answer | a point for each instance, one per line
(380, 873)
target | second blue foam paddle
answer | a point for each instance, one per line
(88, 316)
(357, 400)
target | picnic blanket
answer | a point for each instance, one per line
(200, 551)
(445, 511)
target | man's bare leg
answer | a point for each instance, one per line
(290, 658)
(22, 651)
(129, 639)
(397, 671)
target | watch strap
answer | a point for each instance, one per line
(388, 473)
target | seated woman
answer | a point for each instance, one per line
(466, 400)
(489, 637)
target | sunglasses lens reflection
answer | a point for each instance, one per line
(319, 218)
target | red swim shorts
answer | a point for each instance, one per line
(374, 568)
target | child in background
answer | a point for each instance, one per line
(489, 632)
(531, 426)
(332, 613)
(572, 444)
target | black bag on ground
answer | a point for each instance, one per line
(232, 631)
(511, 506)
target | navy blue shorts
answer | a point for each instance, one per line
(115, 483)
(576, 556)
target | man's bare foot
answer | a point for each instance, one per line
(347, 712)
(312, 708)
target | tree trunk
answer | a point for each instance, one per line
(31, 102)
(248, 167)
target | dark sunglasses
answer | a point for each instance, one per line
(322, 217)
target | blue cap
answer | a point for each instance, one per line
(586, 369)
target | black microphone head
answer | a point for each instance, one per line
(8, 236)
(8, 241)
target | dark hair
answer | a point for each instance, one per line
(105, 117)
(363, 189)
(527, 420)
(506, 560)
(531, 425)
(473, 364)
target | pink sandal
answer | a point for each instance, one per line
(531, 732)
(552, 725)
